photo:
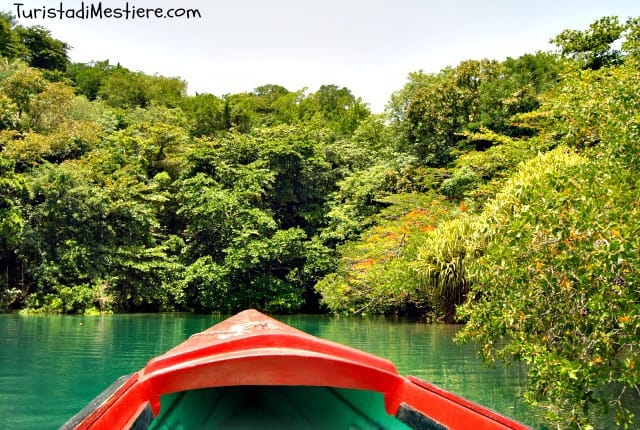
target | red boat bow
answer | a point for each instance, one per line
(253, 349)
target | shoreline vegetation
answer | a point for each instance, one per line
(500, 194)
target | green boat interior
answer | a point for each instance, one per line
(280, 407)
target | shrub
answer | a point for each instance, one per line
(462, 180)
(442, 261)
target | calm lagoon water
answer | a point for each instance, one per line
(51, 366)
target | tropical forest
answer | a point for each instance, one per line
(500, 195)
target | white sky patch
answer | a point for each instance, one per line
(369, 46)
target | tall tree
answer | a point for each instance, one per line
(43, 50)
(336, 107)
(14, 189)
(593, 47)
(10, 44)
(440, 109)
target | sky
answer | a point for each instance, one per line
(368, 46)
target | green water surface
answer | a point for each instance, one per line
(51, 366)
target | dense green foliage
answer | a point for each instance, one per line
(558, 278)
(122, 193)
(499, 194)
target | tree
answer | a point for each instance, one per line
(593, 48)
(49, 109)
(22, 85)
(90, 244)
(515, 88)
(432, 115)
(283, 167)
(126, 89)
(14, 189)
(267, 96)
(153, 147)
(249, 204)
(286, 108)
(237, 256)
(375, 272)
(11, 46)
(88, 78)
(43, 51)
(631, 44)
(71, 139)
(335, 106)
(239, 113)
(205, 114)
(302, 175)
(166, 91)
(441, 108)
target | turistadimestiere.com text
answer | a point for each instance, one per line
(97, 10)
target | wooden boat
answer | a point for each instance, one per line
(252, 371)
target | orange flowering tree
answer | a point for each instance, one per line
(375, 273)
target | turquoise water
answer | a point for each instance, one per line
(51, 366)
